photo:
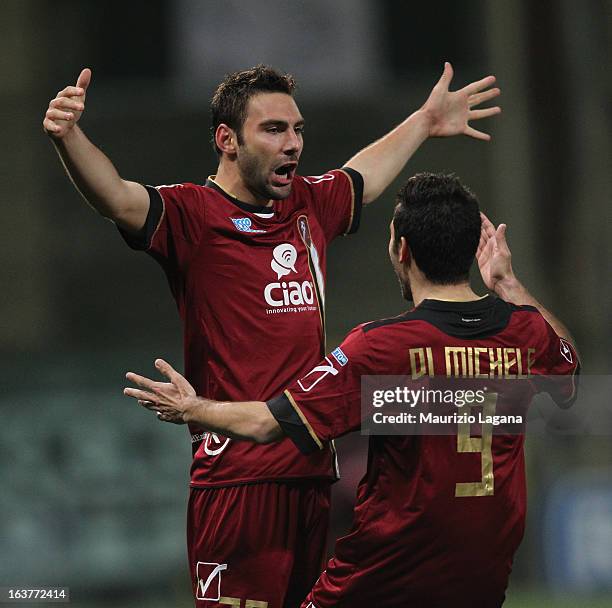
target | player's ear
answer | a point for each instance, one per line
(404, 251)
(226, 139)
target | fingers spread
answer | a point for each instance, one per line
(477, 86)
(471, 132)
(478, 98)
(165, 368)
(484, 113)
(144, 398)
(175, 377)
(142, 381)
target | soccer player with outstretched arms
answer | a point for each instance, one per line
(245, 257)
(438, 518)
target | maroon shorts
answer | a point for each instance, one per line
(374, 570)
(257, 546)
(342, 587)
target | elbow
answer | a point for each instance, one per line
(370, 194)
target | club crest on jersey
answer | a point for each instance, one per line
(243, 224)
(208, 575)
(304, 229)
(566, 351)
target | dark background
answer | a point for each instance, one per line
(93, 490)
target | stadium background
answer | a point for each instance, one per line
(93, 489)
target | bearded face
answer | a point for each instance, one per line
(269, 145)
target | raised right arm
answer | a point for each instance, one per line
(495, 264)
(92, 173)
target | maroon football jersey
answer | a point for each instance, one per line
(437, 518)
(249, 283)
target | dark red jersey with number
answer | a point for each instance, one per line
(437, 518)
(249, 283)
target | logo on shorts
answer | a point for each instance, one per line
(566, 351)
(312, 378)
(243, 224)
(208, 575)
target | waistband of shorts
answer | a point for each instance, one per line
(261, 480)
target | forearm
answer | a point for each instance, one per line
(247, 420)
(381, 162)
(512, 290)
(97, 180)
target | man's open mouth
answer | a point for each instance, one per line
(283, 175)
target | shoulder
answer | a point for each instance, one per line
(522, 308)
(526, 315)
(326, 181)
(310, 181)
(183, 188)
(184, 195)
(388, 323)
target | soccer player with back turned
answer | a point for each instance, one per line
(245, 257)
(437, 518)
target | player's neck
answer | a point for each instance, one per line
(229, 180)
(461, 292)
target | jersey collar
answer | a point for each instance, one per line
(472, 305)
(257, 209)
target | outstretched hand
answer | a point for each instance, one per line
(449, 112)
(66, 109)
(171, 400)
(493, 254)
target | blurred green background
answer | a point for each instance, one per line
(93, 490)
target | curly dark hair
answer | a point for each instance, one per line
(440, 219)
(229, 102)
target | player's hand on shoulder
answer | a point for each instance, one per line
(66, 108)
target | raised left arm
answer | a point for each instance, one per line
(444, 114)
(176, 401)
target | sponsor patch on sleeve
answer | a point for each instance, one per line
(339, 356)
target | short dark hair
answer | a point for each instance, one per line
(229, 102)
(440, 219)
